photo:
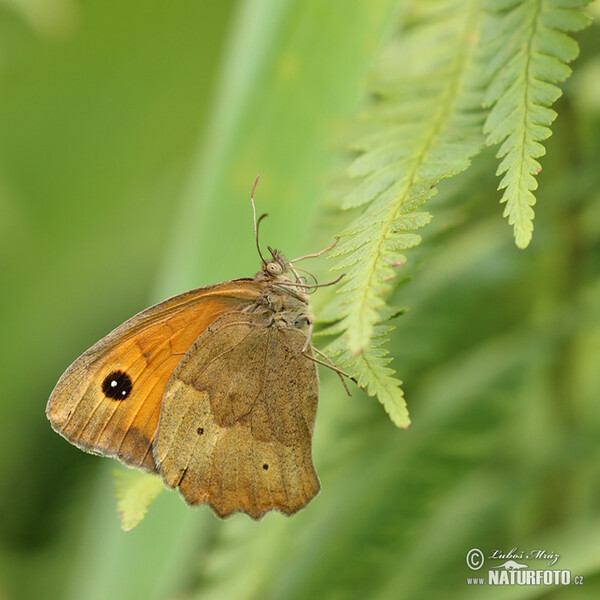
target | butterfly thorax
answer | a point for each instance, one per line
(286, 302)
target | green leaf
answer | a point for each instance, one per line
(135, 490)
(530, 51)
(374, 376)
(423, 125)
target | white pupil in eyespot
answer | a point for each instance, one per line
(113, 383)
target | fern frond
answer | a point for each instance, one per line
(374, 375)
(529, 51)
(135, 491)
(425, 124)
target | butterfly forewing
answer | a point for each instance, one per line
(108, 401)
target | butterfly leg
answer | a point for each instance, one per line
(336, 240)
(330, 365)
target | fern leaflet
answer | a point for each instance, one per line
(529, 51)
(425, 124)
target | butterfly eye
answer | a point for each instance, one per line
(274, 268)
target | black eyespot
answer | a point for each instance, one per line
(117, 385)
(200, 430)
(266, 467)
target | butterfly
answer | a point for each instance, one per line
(214, 390)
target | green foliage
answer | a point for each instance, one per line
(374, 375)
(135, 491)
(101, 175)
(424, 124)
(528, 51)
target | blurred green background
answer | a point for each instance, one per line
(130, 135)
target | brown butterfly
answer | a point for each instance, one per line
(215, 390)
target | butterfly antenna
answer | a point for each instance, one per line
(257, 223)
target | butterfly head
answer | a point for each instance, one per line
(276, 268)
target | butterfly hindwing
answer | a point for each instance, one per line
(240, 439)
